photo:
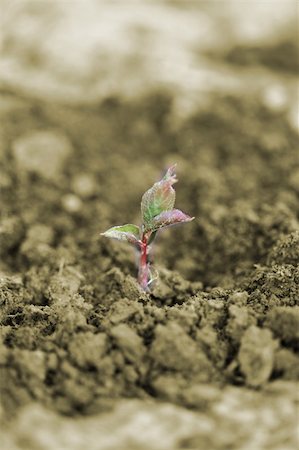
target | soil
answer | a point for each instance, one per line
(209, 358)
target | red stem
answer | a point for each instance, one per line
(143, 272)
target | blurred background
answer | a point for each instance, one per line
(82, 51)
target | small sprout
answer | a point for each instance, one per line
(157, 212)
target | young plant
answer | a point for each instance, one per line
(157, 212)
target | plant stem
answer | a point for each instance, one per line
(143, 271)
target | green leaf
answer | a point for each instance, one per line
(160, 197)
(129, 233)
(168, 218)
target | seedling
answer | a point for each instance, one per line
(157, 212)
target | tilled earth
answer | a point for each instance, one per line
(208, 359)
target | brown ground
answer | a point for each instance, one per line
(209, 359)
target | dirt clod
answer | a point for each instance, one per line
(256, 355)
(129, 342)
(42, 152)
(11, 233)
(173, 349)
(284, 322)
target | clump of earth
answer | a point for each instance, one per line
(209, 357)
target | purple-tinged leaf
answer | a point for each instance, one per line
(160, 197)
(170, 174)
(168, 218)
(129, 233)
